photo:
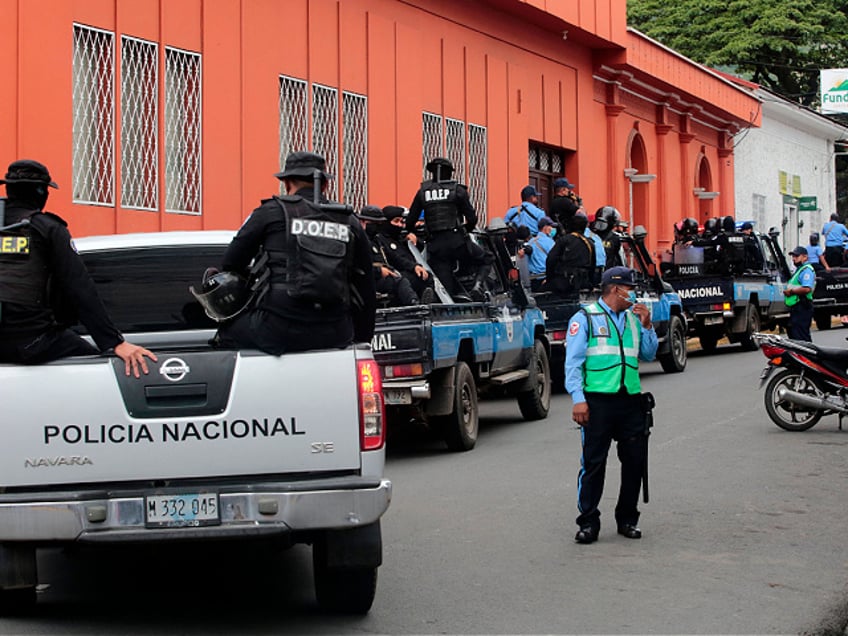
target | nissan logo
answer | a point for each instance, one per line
(174, 369)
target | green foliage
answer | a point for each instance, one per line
(780, 45)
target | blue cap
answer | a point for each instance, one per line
(529, 191)
(618, 276)
(562, 182)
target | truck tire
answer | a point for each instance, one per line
(345, 590)
(674, 360)
(822, 319)
(534, 403)
(709, 341)
(459, 428)
(752, 326)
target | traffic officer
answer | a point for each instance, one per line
(448, 217)
(799, 296)
(44, 286)
(387, 278)
(312, 268)
(604, 344)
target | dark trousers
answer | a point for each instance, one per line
(446, 250)
(268, 332)
(399, 290)
(800, 317)
(618, 417)
(51, 345)
(834, 254)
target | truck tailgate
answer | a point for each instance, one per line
(150, 428)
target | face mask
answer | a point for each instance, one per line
(372, 230)
(630, 297)
(392, 231)
(553, 232)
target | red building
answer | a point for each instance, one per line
(174, 114)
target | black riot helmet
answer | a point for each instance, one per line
(441, 168)
(609, 214)
(711, 226)
(223, 295)
(728, 224)
(690, 226)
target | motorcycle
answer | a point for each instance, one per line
(812, 381)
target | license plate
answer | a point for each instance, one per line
(397, 396)
(174, 511)
(713, 320)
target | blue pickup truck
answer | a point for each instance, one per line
(666, 311)
(734, 298)
(437, 359)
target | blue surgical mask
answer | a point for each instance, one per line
(630, 297)
(553, 232)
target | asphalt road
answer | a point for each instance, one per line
(744, 533)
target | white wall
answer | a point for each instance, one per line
(798, 142)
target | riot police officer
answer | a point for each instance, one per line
(44, 286)
(311, 268)
(448, 217)
(396, 248)
(387, 278)
(570, 264)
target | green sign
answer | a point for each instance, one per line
(808, 204)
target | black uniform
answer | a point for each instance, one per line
(448, 216)
(570, 265)
(562, 210)
(612, 247)
(279, 321)
(47, 291)
(396, 286)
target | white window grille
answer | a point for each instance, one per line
(455, 147)
(139, 124)
(94, 112)
(355, 149)
(533, 157)
(182, 131)
(556, 163)
(294, 117)
(432, 140)
(325, 131)
(478, 153)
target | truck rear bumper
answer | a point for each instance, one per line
(122, 518)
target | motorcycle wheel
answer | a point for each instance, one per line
(789, 416)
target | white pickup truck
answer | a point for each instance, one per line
(211, 444)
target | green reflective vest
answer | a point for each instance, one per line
(612, 359)
(793, 300)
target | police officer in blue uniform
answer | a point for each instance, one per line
(604, 344)
(44, 285)
(448, 217)
(311, 269)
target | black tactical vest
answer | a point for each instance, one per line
(440, 211)
(24, 270)
(313, 260)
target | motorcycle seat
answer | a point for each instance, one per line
(833, 354)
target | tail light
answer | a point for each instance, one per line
(371, 421)
(404, 370)
(559, 336)
(770, 351)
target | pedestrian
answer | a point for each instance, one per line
(528, 213)
(44, 285)
(314, 261)
(387, 278)
(799, 296)
(835, 234)
(564, 204)
(604, 344)
(448, 218)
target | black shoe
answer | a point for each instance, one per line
(630, 531)
(478, 293)
(586, 534)
(428, 296)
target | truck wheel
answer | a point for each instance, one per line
(344, 590)
(535, 402)
(752, 325)
(708, 340)
(822, 321)
(674, 360)
(459, 428)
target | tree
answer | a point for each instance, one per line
(779, 45)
